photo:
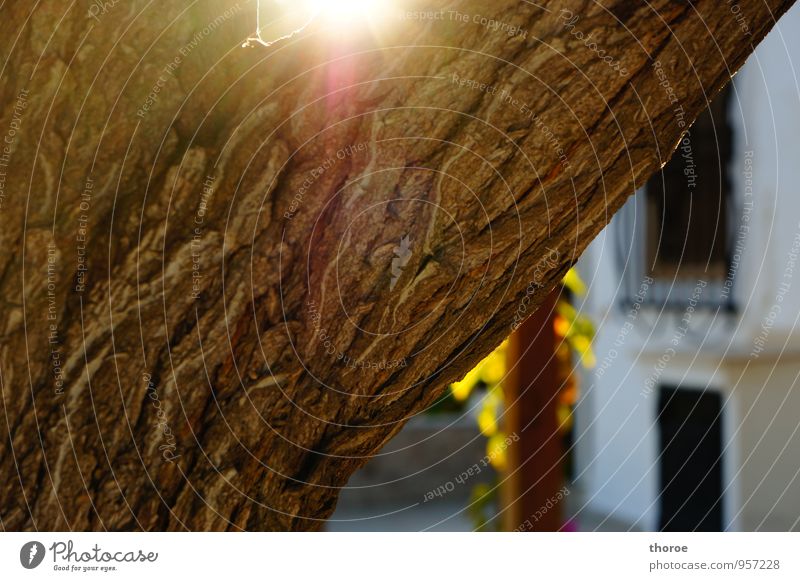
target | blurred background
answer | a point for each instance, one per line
(657, 390)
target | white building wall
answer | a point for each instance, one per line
(616, 434)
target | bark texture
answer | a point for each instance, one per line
(231, 274)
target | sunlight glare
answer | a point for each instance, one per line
(338, 14)
(348, 11)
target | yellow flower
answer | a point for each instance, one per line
(496, 448)
(583, 345)
(574, 282)
(462, 389)
(487, 422)
(493, 368)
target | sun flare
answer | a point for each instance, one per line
(348, 11)
(339, 15)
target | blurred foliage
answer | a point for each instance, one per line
(481, 507)
(577, 330)
(488, 372)
(576, 333)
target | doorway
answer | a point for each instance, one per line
(690, 446)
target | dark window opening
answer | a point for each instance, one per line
(687, 201)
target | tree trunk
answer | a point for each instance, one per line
(232, 274)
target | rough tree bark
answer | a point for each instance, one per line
(202, 323)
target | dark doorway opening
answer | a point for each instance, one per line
(690, 428)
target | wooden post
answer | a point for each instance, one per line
(535, 473)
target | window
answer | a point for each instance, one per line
(676, 229)
(687, 202)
